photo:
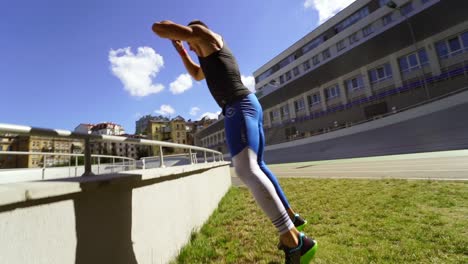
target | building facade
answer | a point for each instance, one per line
(369, 60)
(107, 128)
(57, 146)
(163, 129)
(7, 143)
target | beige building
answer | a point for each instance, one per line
(178, 132)
(7, 143)
(45, 144)
(174, 131)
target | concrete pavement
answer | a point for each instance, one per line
(444, 165)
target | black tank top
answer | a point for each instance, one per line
(223, 77)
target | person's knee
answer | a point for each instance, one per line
(243, 170)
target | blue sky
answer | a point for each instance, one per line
(69, 62)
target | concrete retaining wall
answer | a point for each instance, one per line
(436, 126)
(132, 217)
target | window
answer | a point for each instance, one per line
(351, 20)
(288, 76)
(332, 92)
(274, 114)
(315, 60)
(464, 38)
(353, 38)
(383, 2)
(442, 49)
(406, 9)
(387, 19)
(452, 46)
(286, 61)
(423, 57)
(366, 31)
(264, 75)
(312, 45)
(326, 54)
(354, 84)
(296, 71)
(299, 105)
(306, 65)
(314, 99)
(380, 73)
(425, 1)
(285, 111)
(340, 45)
(281, 79)
(413, 61)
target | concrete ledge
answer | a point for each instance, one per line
(26, 191)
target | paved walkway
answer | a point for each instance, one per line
(445, 165)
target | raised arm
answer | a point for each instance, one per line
(192, 68)
(176, 33)
(170, 30)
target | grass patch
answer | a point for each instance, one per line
(354, 221)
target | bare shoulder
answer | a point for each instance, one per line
(207, 36)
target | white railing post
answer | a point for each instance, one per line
(98, 165)
(191, 156)
(204, 154)
(214, 157)
(143, 163)
(69, 166)
(76, 166)
(44, 166)
(113, 165)
(161, 157)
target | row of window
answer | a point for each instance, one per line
(213, 139)
(352, 39)
(452, 46)
(405, 10)
(413, 61)
(381, 73)
(353, 19)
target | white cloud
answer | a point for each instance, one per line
(165, 110)
(327, 8)
(249, 82)
(210, 115)
(181, 84)
(194, 111)
(136, 71)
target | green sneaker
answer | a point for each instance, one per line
(299, 222)
(303, 253)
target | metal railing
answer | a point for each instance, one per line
(131, 162)
(56, 133)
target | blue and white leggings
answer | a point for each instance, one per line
(246, 142)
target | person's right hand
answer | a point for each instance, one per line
(178, 45)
